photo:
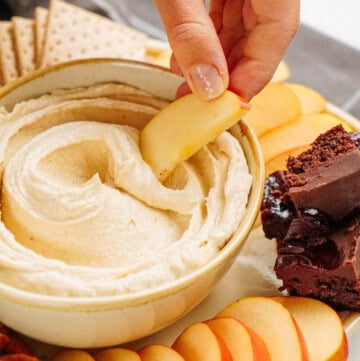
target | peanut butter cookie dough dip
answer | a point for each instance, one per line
(83, 215)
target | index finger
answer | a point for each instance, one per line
(268, 37)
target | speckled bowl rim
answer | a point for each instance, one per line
(254, 157)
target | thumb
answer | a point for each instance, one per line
(196, 46)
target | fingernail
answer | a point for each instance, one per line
(206, 81)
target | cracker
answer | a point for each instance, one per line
(8, 62)
(24, 40)
(75, 33)
(41, 15)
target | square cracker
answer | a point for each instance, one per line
(40, 16)
(24, 40)
(75, 33)
(8, 61)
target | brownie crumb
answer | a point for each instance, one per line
(325, 147)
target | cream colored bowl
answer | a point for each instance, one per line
(86, 322)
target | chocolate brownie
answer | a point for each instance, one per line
(312, 209)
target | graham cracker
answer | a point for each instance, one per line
(24, 40)
(8, 61)
(75, 33)
(40, 16)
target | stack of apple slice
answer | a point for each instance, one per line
(251, 329)
(287, 117)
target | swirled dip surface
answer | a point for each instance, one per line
(83, 215)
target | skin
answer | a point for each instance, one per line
(244, 41)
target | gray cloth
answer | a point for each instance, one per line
(327, 66)
(26, 7)
(140, 14)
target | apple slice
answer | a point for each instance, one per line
(159, 57)
(116, 354)
(321, 327)
(310, 100)
(279, 161)
(184, 126)
(298, 133)
(243, 343)
(159, 353)
(273, 323)
(282, 73)
(73, 355)
(198, 343)
(274, 106)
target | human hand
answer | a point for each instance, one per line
(237, 45)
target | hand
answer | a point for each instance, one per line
(238, 45)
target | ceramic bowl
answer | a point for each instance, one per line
(87, 322)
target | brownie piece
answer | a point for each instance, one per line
(313, 211)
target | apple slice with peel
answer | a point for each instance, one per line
(273, 323)
(73, 355)
(184, 126)
(198, 343)
(116, 354)
(159, 352)
(282, 73)
(243, 343)
(321, 327)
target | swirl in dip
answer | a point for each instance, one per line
(83, 215)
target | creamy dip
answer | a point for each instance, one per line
(83, 215)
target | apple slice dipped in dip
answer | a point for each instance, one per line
(183, 127)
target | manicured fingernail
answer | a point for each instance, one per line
(206, 81)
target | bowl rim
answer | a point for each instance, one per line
(251, 148)
(349, 118)
(22, 80)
